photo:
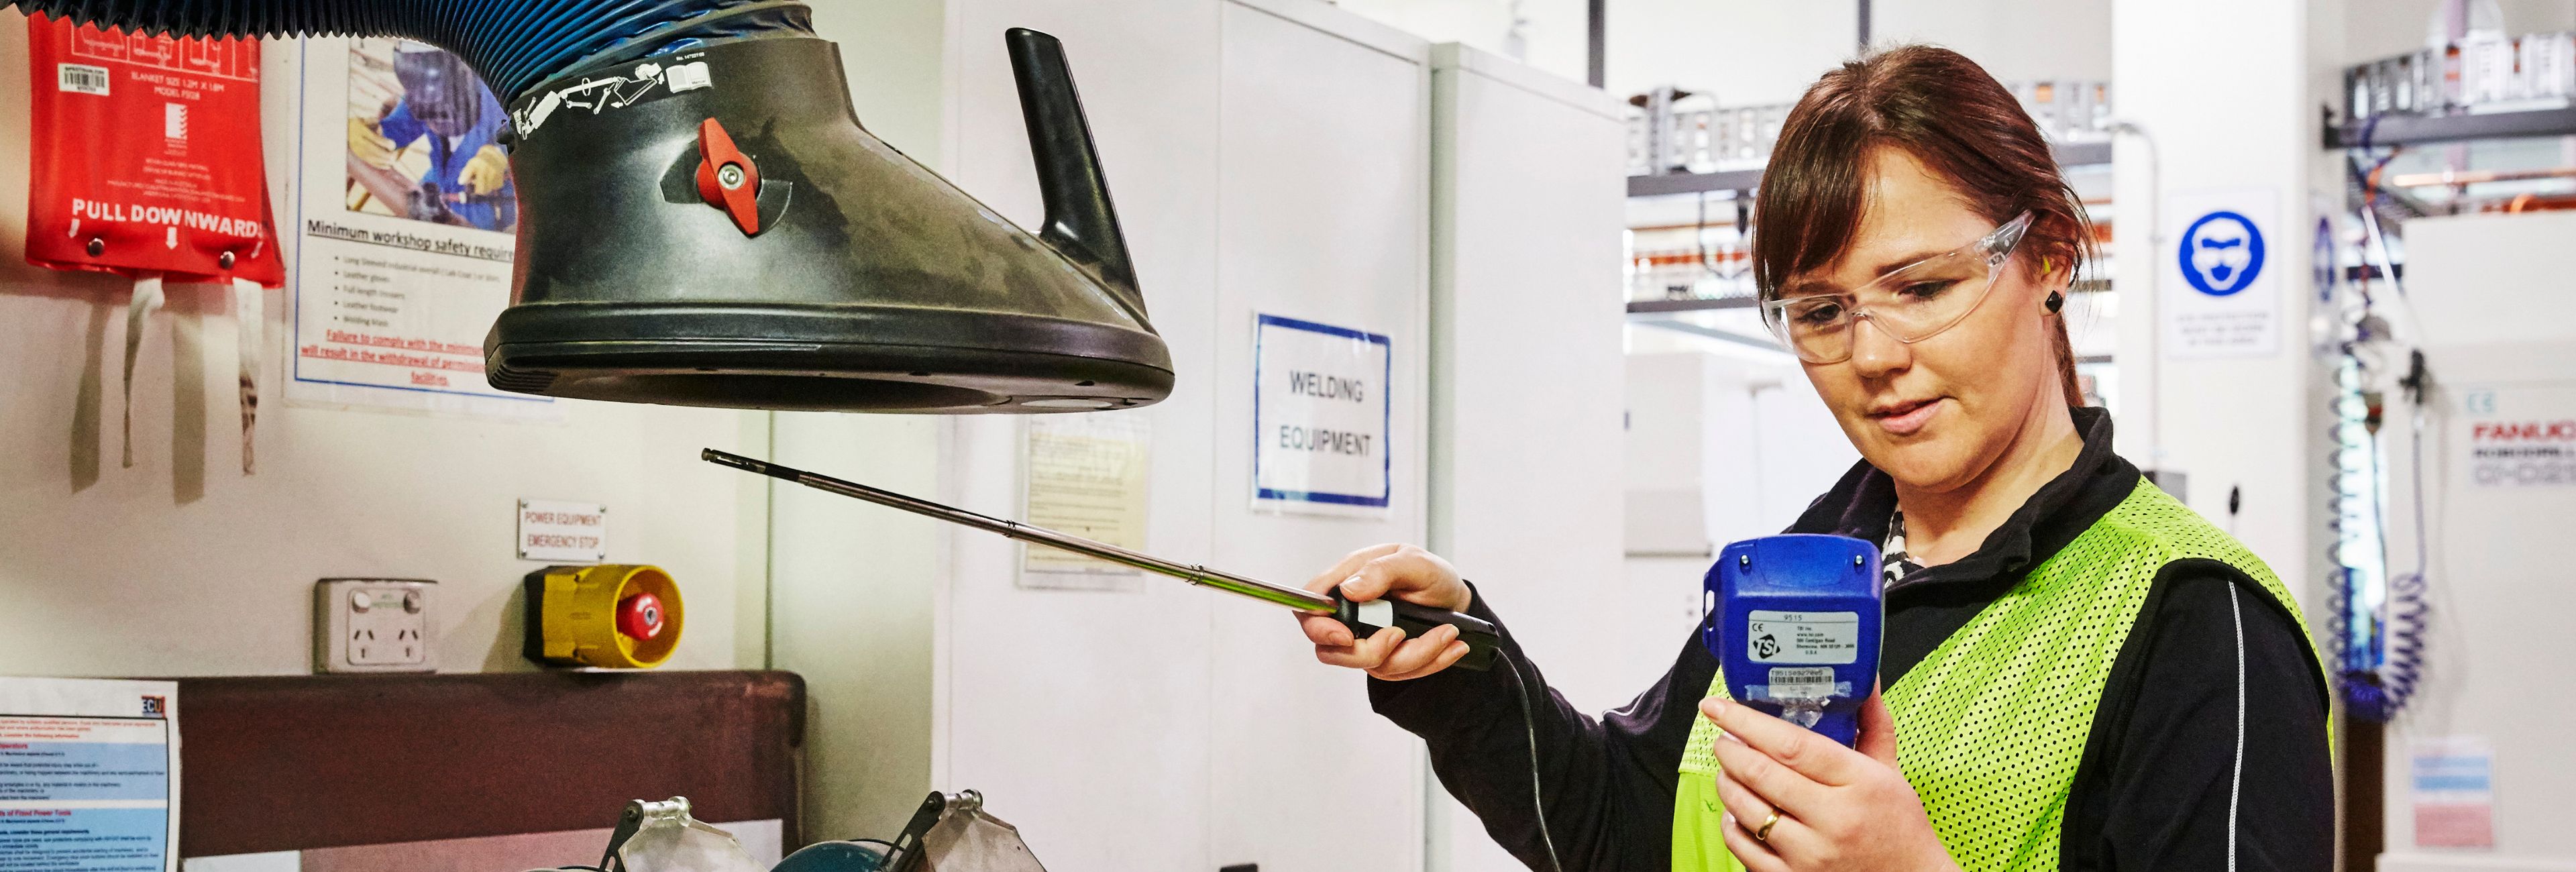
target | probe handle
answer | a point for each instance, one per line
(1365, 619)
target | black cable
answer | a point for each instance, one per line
(1529, 725)
(2376, 676)
(1699, 237)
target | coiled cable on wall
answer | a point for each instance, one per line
(2407, 609)
(2376, 628)
(512, 44)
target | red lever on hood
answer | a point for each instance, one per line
(727, 179)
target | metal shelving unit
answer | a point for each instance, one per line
(2074, 154)
(2423, 129)
(1694, 304)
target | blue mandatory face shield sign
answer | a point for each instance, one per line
(2221, 253)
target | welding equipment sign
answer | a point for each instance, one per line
(2219, 300)
(1322, 409)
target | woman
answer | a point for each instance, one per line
(2077, 671)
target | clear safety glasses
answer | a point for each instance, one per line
(1913, 303)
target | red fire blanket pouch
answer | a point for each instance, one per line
(146, 163)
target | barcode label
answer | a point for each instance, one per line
(83, 79)
(1811, 682)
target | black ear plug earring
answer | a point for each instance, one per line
(2054, 302)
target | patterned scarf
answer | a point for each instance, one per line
(1892, 559)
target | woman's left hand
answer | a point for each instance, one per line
(1838, 808)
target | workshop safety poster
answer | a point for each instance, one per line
(89, 775)
(405, 216)
(1322, 411)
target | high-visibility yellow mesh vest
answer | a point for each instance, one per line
(1991, 725)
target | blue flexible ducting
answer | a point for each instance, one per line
(512, 44)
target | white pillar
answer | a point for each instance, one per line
(2228, 93)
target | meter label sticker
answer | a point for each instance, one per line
(1803, 637)
(1804, 682)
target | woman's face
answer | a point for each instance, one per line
(1935, 414)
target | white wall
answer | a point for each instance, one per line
(853, 589)
(1754, 52)
(1745, 52)
(1748, 441)
(2242, 422)
(1555, 34)
(181, 565)
(2376, 29)
(1750, 52)
(2013, 39)
(1084, 716)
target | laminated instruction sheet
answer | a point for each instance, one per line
(89, 775)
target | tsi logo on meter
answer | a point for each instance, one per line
(1802, 637)
(1794, 623)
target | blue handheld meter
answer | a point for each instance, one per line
(1794, 623)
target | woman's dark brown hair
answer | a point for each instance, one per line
(1943, 109)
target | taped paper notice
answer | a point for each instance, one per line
(1086, 476)
(2454, 792)
(138, 311)
(248, 313)
(88, 774)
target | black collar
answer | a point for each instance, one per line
(1860, 504)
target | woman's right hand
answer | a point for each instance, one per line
(1406, 573)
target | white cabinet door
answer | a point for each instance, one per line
(1529, 182)
(1323, 206)
(1083, 716)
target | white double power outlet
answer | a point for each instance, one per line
(373, 625)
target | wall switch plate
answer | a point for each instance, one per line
(373, 625)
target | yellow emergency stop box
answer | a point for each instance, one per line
(612, 616)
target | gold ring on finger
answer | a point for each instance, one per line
(1763, 833)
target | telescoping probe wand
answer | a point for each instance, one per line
(1363, 619)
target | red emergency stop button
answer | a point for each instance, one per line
(640, 616)
(727, 179)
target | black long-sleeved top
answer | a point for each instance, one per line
(2160, 786)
